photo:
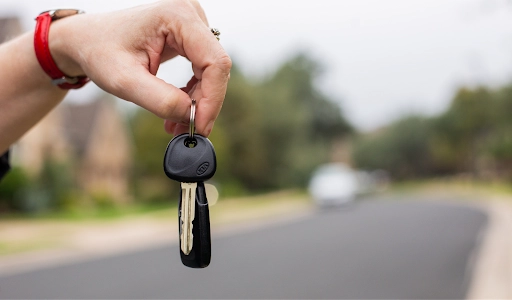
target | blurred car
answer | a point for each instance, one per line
(333, 185)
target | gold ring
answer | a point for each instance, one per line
(216, 33)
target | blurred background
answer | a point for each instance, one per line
(416, 89)
(361, 96)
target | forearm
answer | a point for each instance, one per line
(121, 52)
(26, 93)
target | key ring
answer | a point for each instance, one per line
(192, 126)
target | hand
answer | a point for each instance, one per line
(122, 51)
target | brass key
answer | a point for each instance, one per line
(188, 205)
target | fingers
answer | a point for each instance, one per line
(179, 128)
(212, 89)
(199, 11)
(211, 66)
(169, 28)
(175, 128)
(191, 37)
(191, 84)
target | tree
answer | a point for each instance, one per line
(461, 133)
(150, 140)
(401, 149)
(298, 122)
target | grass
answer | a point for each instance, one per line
(465, 187)
(84, 213)
(7, 248)
(20, 233)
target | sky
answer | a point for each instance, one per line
(382, 59)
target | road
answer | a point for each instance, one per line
(372, 250)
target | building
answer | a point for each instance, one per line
(10, 27)
(92, 138)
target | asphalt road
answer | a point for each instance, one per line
(375, 249)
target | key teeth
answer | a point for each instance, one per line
(191, 239)
(184, 248)
(183, 236)
(188, 202)
(200, 252)
(182, 239)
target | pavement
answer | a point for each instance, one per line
(492, 277)
(492, 263)
(59, 243)
(375, 249)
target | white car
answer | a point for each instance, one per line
(333, 185)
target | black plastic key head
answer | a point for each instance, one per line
(190, 159)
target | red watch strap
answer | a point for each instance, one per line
(45, 58)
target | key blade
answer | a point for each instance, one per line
(188, 204)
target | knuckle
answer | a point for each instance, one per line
(196, 4)
(224, 62)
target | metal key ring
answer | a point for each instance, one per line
(192, 126)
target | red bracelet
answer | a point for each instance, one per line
(43, 54)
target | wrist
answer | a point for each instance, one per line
(43, 48)
(63, 49)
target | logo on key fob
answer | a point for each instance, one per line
(202, 168)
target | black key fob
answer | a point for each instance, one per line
(190, 159)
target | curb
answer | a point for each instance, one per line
(492, 276)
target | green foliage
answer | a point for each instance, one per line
(500, 144)
(277, 130)
(103, 201)
(237, 137)
(15, 181)
(149, 182)
(402, 149)
(298, 124)
(473, 136)
(54, 189)
(150, 141)
(57, 181)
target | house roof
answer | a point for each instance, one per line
(78, 123)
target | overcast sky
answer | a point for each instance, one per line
(383, 59)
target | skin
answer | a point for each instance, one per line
(121, 52)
